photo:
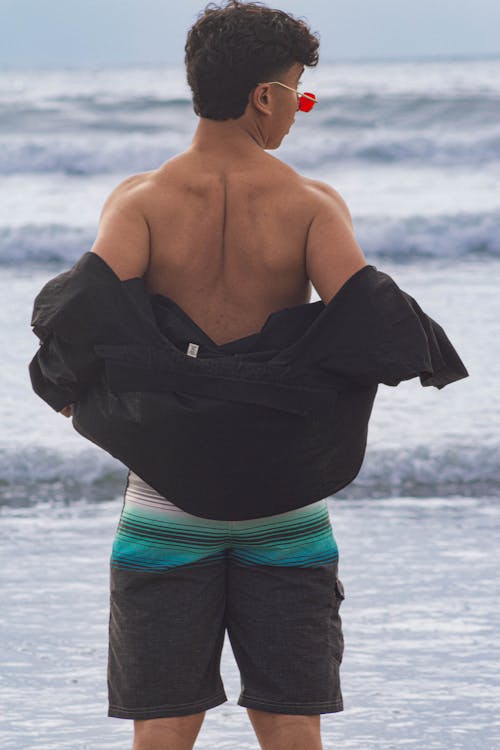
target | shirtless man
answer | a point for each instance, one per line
(227, 230)
(232, 234)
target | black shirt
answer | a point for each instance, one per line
(260, 425)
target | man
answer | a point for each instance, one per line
(182, 345)
(232, 234)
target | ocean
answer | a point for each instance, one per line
(414, 149)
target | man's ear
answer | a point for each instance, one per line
(261, 99)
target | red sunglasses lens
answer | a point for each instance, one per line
(305, 105)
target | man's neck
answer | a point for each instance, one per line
(228, 137)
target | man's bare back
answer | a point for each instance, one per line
(228, 237)
(227, 230)
(228, 240)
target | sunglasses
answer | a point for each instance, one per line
(306, 100)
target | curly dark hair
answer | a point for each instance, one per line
(232, 48)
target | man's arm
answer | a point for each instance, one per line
(332, 253)
(123, 236)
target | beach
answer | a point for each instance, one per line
(414, 148)
(420, 620)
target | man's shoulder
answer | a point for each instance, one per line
(131, 193)
(327, 198)
(323, 188)
(126, 191)
(318, 198)
(135, 181)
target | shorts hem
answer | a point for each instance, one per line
(166, 711)
(306, 709)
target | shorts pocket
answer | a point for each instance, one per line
(336, 623)
(339, 590)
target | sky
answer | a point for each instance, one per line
(80, 33)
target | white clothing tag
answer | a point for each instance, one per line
(192, 350)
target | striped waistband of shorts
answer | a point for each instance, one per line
(153, 534)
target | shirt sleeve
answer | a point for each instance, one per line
(73, 313)
(436, 361)
(66, 319)
(372, 332)
(60, 372)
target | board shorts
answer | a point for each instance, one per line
(178, 582)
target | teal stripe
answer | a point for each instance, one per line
(147, 539)
(138, 563)
(305, 560)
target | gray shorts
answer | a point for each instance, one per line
(179, 582)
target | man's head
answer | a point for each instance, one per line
(233, 48)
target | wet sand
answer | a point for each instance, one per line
(421, 625)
